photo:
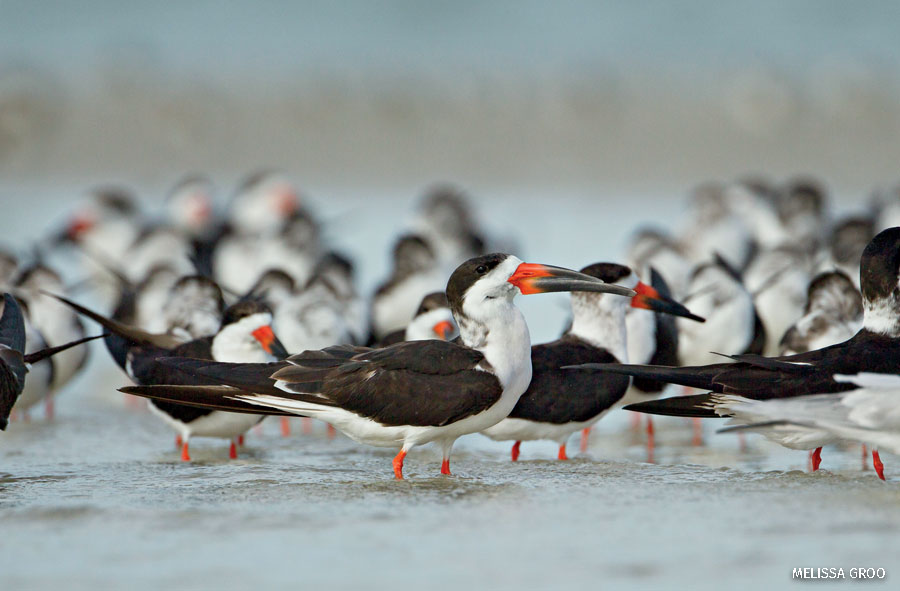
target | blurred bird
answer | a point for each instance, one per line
(833, 314)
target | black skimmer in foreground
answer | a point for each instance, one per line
(560, 402)
(410, 393)
(245, 335)
(874, 349)
(14, 362)
(868, 414)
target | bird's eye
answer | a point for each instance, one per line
(481, 269)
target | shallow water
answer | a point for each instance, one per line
(99, 498)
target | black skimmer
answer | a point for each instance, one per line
(190, 207)
(433, 320)
(416, 272)
(833, 313)
(867, 414)
(339, 271)
(105, 225)
(56, 324)
(245, 335)
(446, 222)
(313, 318)
(804, 212)
(560, 402)
(410, 393)
(848, 240)
(715, 230)
(260, 210)
(732, 325)
(155, 246)
(14, 362)
(874, 349)
(651, 247)
(778, 279)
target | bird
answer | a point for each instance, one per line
(874, 349)
(869, 414)
(14, 362)
(559, 403)
(832, 314)
(410, 393)
(245, 334)
(433, 320)
(416, 272)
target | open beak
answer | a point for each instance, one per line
(533, 278)
(650, 299)
(442, 329)
(269, 342)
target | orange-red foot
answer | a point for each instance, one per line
(331, 431)
(562, 453)
(306, 426)
(651, 439)
(515, 450)
(285, 427)
(185, 456)
(179, 442)
(49, 408)
(865, 457)
(241, 440)
(815, 459)
(697, 440)
(445, 466)
(585, 436)
(398, 465)
(232, 451)
(876, 462)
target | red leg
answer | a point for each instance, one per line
(331, 431)
(232, 451)
(285, 427)
(445, 466)
(178, 441)
(562, 453)
(651, 439)
(26, 416)
(865, 457)
(185, 456)
(13, 416)
(815, 459)
(241, 440)
(635, 421)
(876, 462)
(49, 408)
(585, 435)
(698, 432)
(306, 426)
(398, 465)
(515, 450)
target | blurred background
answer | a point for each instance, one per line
(396, 94)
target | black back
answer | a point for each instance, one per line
(561, 396)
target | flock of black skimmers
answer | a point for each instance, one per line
(766, 308)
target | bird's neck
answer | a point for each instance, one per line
(603, 325)
(505, 343)
(882, 316)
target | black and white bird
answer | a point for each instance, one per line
(410, 393)
(833, 313)
(868, 414)
(245, 334)
(14, 362)
(416, 272)
(559, 402)
(874, 349)
(433, 320)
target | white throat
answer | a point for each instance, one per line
(235, 343)
(599, 319)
